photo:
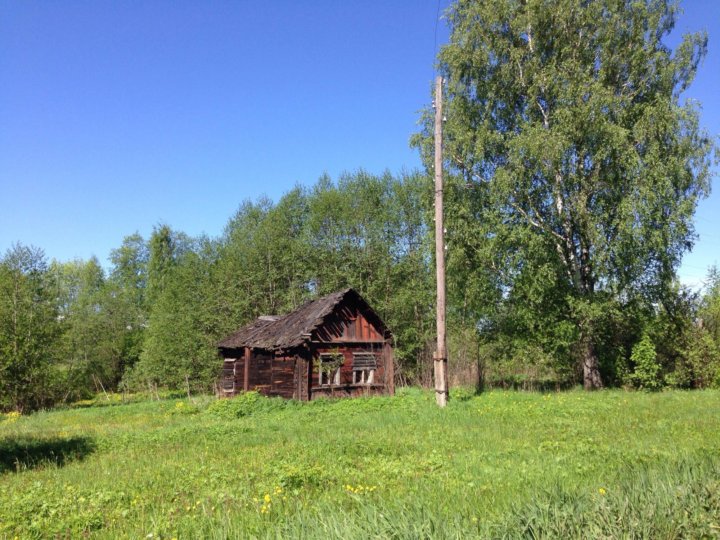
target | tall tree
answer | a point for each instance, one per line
(180, 345)
(93, 338)
(29, 329)
(162, 253)
(127, 298)
(583, 167)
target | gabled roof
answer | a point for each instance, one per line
(293, 329)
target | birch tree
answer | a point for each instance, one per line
(566, 127)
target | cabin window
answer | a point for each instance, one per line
(329, 369)
(364, 366)
(229, 375)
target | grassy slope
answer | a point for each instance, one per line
(502, 464)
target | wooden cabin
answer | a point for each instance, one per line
(336, 346)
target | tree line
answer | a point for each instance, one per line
(153, 319)
(71, 329)
(573, 174)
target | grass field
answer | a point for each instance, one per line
(503, 464)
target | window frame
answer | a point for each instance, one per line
(327, 377)
(226, 378)
(365, 369)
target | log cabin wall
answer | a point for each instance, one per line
(268, 373)
(282, 374)
(232, 377)
(347, 381)
(303, 374)
(282, 355)
(260, 372)
(351, 333)
(348, 325)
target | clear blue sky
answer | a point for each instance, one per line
(117, 116)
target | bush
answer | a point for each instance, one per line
(647, 369)
(462, 393)
(246, 404)
(703, 358)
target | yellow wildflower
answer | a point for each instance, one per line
(266, 498)
(602, 491)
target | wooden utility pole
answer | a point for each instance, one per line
(440, 358)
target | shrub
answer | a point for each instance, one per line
(246, 404)
(647, 369)
(703, 358)
(462, 393)
(10, 417)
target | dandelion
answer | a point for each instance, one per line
(359, 488)
(602, 491)
(266, 498)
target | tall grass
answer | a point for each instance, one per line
(502, 464)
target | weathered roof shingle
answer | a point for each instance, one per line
(290, 330)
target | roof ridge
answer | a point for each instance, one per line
(289, 330)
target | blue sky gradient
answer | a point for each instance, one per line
(118, 116)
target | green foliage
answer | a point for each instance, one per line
(246, 404)
(174, 350)
(90, 352)
(574, 173)
(462, 393)
(704, 353)
(364, 231)
(575, 168)
(29, 330)
(153, 322)
(693, 334)
(162, 254)
(646, 374)
(499, 464)
(127, 286)
(701, 364)
(179, 346)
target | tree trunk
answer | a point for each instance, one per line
(590, 362)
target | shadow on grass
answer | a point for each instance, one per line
(28, 453)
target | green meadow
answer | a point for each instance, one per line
(607, 464)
